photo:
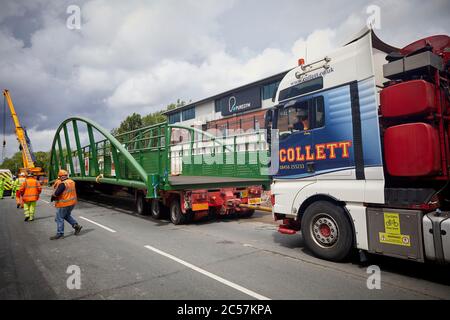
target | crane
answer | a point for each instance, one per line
(24, 141)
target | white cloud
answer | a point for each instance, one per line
(219, 72)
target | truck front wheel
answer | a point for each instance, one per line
(176, 216)
(327, 231)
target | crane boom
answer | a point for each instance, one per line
(27, 155)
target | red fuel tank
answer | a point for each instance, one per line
(412, 150)
(407, 99)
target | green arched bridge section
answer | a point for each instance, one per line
(158, 157)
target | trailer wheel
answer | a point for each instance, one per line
(248, 213)
(155, 209)
(213, 213)
(327, 231)
(176, 216)
(142, 206)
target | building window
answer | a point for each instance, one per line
(218, 105)
(269, 90)
(174, 117)
(188, 114)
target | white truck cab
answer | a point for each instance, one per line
(330, 177)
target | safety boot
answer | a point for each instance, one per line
(26, 218)
(77, 228)
(56, 237)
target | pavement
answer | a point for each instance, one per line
(122, 255)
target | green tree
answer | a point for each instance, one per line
(13, 163)
(177, 104)
(131, 122)
(153, 118)
(136, 121)
(42, 160)
(158, 117)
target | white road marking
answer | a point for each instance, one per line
(98, 224)
(209, 274)
(45, 201)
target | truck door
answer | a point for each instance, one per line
(296, 154)
(333, 134)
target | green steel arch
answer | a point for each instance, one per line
(60, 159)
(145, 159)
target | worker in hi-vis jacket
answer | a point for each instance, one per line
(14, 188)
(19, 200)
(30, 191)
(2, 187)
(65, 197)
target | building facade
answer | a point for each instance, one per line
(240, 108)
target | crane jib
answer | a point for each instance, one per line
(22, 136)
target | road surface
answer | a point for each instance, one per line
(122, 255)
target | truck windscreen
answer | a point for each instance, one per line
(301, 88)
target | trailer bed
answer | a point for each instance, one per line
(187, 182)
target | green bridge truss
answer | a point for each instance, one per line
(148, 159)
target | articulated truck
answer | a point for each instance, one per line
(355, 152)
(360, 150)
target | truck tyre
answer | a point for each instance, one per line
(176, 216)
(142, 206)
(213, 213)
(156, 209)
(189, 216)
(327, 231)
(248, 213)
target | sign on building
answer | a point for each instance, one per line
(241, 101)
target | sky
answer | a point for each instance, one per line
(138, 56)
